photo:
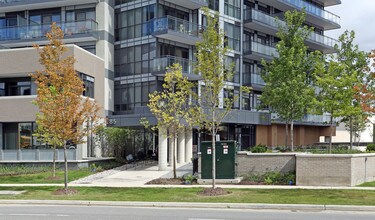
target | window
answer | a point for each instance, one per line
(15, 87)
(233, 8)
(232, 34)
(89, 85)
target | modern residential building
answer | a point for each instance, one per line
(89, 36)
(138, 39)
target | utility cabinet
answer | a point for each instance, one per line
(225, 159)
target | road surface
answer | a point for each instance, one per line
(43, 212)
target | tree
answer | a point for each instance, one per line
(289, 76)
(211, 52)
(172, 106)
(335, 92)
(63, 111)
(354, 66)
(117, 139)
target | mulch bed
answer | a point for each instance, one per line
(214, 192)
(70, 191)
(168, 181)
(246, 182)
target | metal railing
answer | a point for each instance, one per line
(175, 24)
(39, 31)
(161, 64)
(251, 46)
(271, 21)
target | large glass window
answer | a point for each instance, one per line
(214, 5)
(19, 136)
(15, 87)
(232, 35)
(232, 8)
(131, 95)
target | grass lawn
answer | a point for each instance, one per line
(298, 196)
(368, 184)
(43, 177)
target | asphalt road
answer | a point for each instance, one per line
(31, 212)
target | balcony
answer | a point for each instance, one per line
(265, 23)
(327, 3)
(306, 119)
(190, 4)
(175, 29)
(77, 31)
(160, 65)
(314, 14)
(254, 80)
(257, 51)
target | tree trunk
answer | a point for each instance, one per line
(292, 135)
(351, 132)
(213, 158)
(66, 169)
(286, 133)
(54, 162)
(174, 156)
(331, 134)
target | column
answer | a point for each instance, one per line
(181, 147)
(170, 153)
(188, 145)
(162, 150)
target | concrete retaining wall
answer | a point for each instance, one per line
(334, 170)
(312, 169)
(260, 163)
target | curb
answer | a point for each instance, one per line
(243, 206)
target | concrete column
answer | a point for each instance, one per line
(181, 147)
(170, 153)
(162, 151)
(188, 145)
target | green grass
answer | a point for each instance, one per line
(42, 177)
(277, 196)
(368, 184)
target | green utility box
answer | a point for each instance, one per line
(225, 159)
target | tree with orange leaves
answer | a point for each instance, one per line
(64, 113)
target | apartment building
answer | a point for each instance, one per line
(87, 25)
(138, 39)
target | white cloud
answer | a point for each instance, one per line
(357, 15)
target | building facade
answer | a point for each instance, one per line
(138, 39)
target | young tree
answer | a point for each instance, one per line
(211, 54)
(355, 66)
(172, 107)
(63, 111)
(288, 90)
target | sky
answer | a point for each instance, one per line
(357, 15)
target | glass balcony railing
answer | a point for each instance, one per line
(161, 64)
(271, 21)
(312, 9)
(308, 118)
(39, 31)
(175, 24)
(251, 46)
(253, 78)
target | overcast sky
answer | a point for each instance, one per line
(357, 15)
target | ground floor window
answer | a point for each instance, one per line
(19, 135)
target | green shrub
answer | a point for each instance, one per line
(271, 178)
(370, 148)
(259, 149)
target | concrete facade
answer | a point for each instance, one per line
(267, 162)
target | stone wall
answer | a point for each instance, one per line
(259, 163)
